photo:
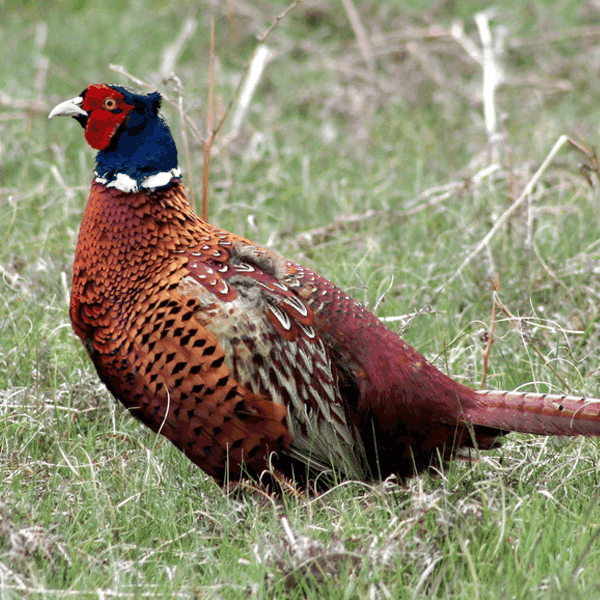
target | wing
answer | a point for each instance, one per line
(272, 349)
(222, 358)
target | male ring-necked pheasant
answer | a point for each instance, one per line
(240, 357)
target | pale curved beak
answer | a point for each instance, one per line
(68, 108)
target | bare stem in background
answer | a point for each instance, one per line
(40, 60)
(492, 73)
(184, 134)
(262, 39)
(491, 78)
(171, 53)
(186, 148)
(255, 65)
(361, 34)
(490, 339)
(259, 60)
(209, 123)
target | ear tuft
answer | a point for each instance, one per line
(154, 100)
(146, 103)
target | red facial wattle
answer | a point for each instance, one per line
(107, 110)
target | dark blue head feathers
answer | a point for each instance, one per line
(142, 146)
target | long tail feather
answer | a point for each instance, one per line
(544, 414)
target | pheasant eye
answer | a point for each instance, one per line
(109, 103)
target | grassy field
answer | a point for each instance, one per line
(370, 163)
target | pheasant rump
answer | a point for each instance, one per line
(246, 361)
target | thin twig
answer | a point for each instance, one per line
(382, 297)
(490, 340)
(491, 78)
(590, 155)
(186, 150)
(469, 46)
(410, 316)
(171, 53)
(121, 70)
(212, 133)
(262, 39)
(282, 15)
(361, 34)
(40, 60)
(257, 65)
(184, 136)
(209, 123)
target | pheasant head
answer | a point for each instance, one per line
(136, 148)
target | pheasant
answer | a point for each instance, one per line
(248, 362)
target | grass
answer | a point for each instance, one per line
(93, 506)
